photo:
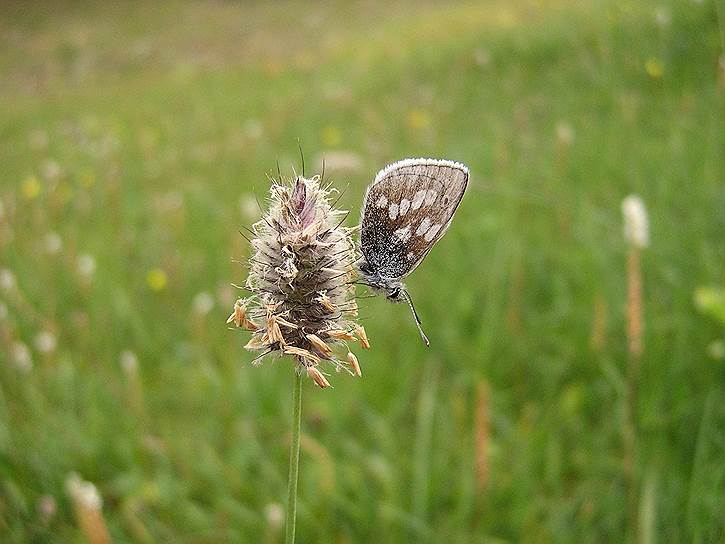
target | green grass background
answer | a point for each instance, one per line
(137, 133)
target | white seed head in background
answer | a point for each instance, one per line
(83, 493)
(22, 357)
(663, 17)
(716, 349)
(203, 303)
(45, 342)
(636, 224)
(7, 280)
(52, 243)
(564, 133)
(47, 508)
(86, 266)
(51, 170)
(482, 57)
(128, 361)
(274, 513)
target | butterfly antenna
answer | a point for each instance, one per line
(409, 300)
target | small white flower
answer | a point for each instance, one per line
(274, 513)
(716, 349)
(482, 57)
(52, 243)
(86, 265)
(47, 507)
(203, 303)
(662, 16)
(51, 170)
(253, 129)
(564, 133)
(21, 357)
(45, 342)
(128, 361)
(7, 280)
(636, 225)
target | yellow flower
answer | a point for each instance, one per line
(331, 136)
(654, 68)
(710, 300)
(156, 279)
(30, 187)
(87, 179)
(418, 119)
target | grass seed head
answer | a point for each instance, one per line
(302, 301)
(636, 224)
(88, 505)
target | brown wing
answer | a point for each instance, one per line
(406, 210)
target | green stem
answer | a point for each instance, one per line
(294, 460)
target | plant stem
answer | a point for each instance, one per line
(294, 460)
(635, 327)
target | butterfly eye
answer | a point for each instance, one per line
(394, 294)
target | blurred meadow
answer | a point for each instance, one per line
(135, 140)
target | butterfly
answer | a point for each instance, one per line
(406, 210)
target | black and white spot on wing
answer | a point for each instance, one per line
(406, 210)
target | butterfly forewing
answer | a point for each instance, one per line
(406, 210)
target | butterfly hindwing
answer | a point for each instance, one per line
(406, 210)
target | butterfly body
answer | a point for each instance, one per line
(406, 210)
(391, 287)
